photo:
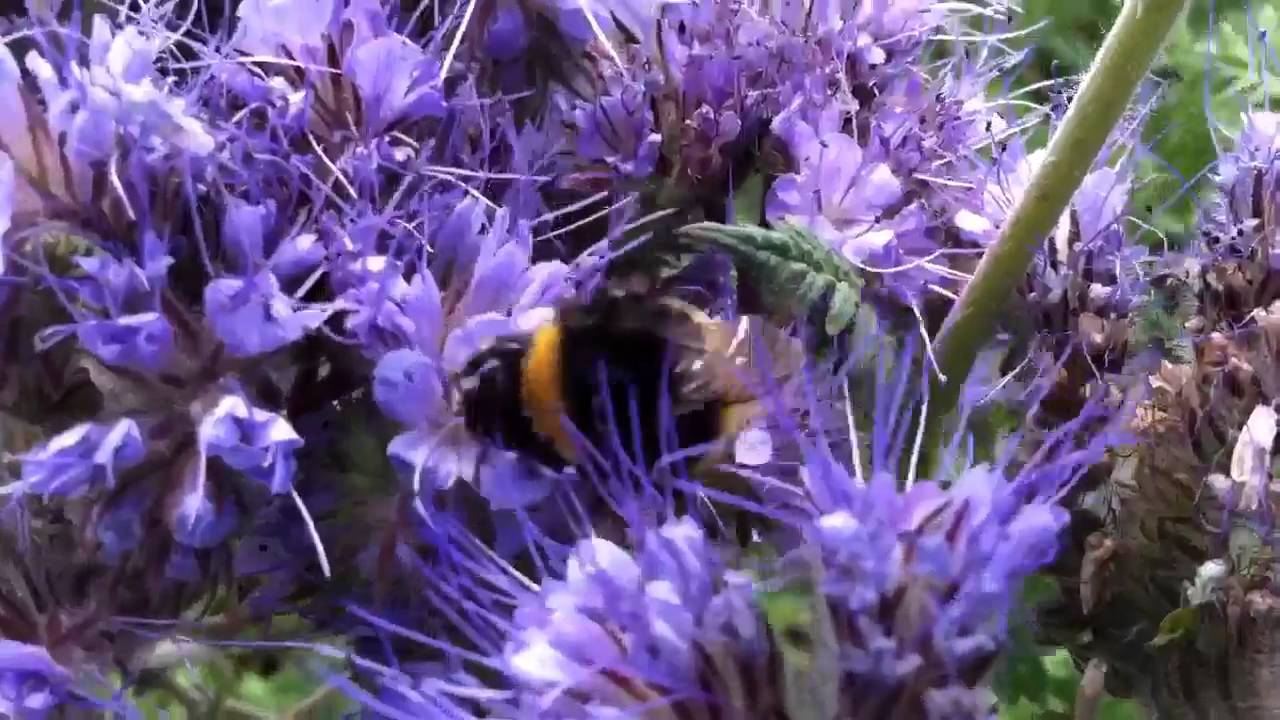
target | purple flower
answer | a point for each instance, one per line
(83, 459)
(116, 93)
(121, 286)
(376, 306)
(258, 443)
(425, 332)
(244, 233)
(32, 684)
(618, 129)
(837, 195)
(139, 342)
(299, 26)
(8, 192)
(249, 243)
(251, 316)
(132, 334)
(396, 79)
(621, 631)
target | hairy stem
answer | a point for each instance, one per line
(1122, 62)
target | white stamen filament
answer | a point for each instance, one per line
(313, 532)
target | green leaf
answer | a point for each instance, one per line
(799, 270)
(1176, 625)
(804, 632)
(748, 200)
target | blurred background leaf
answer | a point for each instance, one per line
(1204, 83)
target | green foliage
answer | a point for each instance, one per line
(791, 262)
(1177, 625)
(804, 632)
(1208, 76)
(242, 686)
(1047, 691)
(1037, 683)
(1211, 81)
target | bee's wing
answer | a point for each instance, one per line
(733, 361)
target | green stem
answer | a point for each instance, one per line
(1126, 54)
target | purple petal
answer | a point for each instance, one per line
(258, 443)
(837, 160)
(510, 483)
(479, 331)
(31, 682)
(1100, 201)
(788, 196)
(82, 459)
(878, 187)
(507, 37)
(140, 342)
(545, 284)
(251, 316)
(24, 658)
(200, 516)
(423, 304)
(495, 280)
(474, 335)
(244, 229)
(435, 458)
(395, 80)
(267, 26)
(456, 248)
(8, 193)
(119, 526)
(297, 256)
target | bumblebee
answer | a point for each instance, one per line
(630, 371)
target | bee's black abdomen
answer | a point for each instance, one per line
(618, 381)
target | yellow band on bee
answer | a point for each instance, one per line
(542, 389)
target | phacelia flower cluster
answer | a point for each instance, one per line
(246, 253)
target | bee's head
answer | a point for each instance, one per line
(488, 388)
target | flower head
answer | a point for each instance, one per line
(625, 632)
